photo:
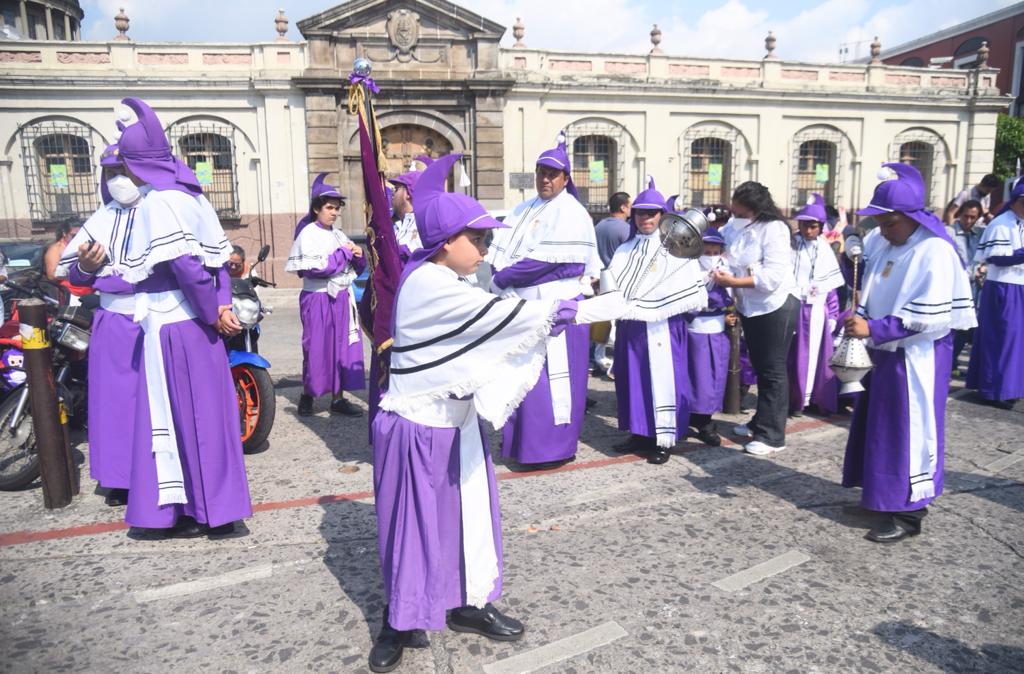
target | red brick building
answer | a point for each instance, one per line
(957, 47)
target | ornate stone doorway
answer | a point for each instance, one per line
(404, 142)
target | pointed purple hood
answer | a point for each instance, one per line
(409, 179)
(904, 193)
(109, 159)
(558, 157)
(441, 215)
(318, 189)
(814, 210)
(144, 149)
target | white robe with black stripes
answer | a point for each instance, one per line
(657, 286)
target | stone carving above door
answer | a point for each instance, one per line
(403, 28)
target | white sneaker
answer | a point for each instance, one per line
(742, 431)
(758, 448)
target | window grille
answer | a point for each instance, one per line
(816, 171)
(209, 149)
(59, 171)
(920, 155)
(710, 172)
(594, 171)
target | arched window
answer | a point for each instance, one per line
(209, 149)
(921, 156)
(966, 55)
(593, 170)
(913, 62)
(816, 170)
(59, 170)
(710, 171)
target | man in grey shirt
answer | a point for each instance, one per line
(613, 230)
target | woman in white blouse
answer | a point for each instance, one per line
(761, 265)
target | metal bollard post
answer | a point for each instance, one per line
(49, 418)
(731, 404)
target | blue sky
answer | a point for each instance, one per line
(805, 29)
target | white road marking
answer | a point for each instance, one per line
(557, 651)
(1002, 462)
(773, 566)
(235, 577)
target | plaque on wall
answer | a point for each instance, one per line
(520, 181)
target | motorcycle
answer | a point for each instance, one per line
(69, 330)
(249, 370)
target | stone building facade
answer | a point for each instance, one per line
(263, 119)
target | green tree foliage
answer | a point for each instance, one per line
(1009, 146)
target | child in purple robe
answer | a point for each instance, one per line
(707, 355)
(818, 276)
(187, 470)
(651, 374)
(459, 354)
(328, 262)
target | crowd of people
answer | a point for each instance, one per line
(518, 353)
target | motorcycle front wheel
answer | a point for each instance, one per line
(19, 462)
(256, 405)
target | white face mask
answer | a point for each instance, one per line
(123, 190)
(709, 262)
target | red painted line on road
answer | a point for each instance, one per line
(23, 537)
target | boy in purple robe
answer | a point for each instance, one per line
(915, 291)
(549, 252)
(459, 354)
(115, 345)
(996, 368)
(328, 262)
(707, 355)
(651, 375)
(817, 273)
(187, 470)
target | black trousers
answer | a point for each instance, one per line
(768, 338)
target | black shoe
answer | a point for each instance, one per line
(637, 444)
(116, 497)
(305, 405)
(229, 530)
(187, 528)
(658, 455)
(342, 406)
(890, 532)
(546, 465)
(708, 436)
(386, 653)
(487, 621)
(590, 403)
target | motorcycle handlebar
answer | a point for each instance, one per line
(31, 292)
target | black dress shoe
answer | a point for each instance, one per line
(658, 455)
(187, 528)
(487, 621)
(708, 436)
(344, 407)
(637, 444)
(305, 405)
(891, 532)
(116, 497)
(386, 653)
(545, 465)
(229, 530)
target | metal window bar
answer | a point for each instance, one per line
(710, 172)
(594, 186)
(813, 154)
(595, 197)
(933, 170)
(59, 171)
(921, 156)
(733, 140)
(209, 149)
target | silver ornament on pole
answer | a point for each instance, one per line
(851, 360)
(362, 66)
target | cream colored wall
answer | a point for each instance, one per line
(867, 106)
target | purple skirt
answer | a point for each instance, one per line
(531, 434)
(707, 358)
(633, 377)
(205, 410)
(115, 359)
(878, 448)
(997, 354)
(329, 363)
(419, 520)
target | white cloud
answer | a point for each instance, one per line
(732, 29)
